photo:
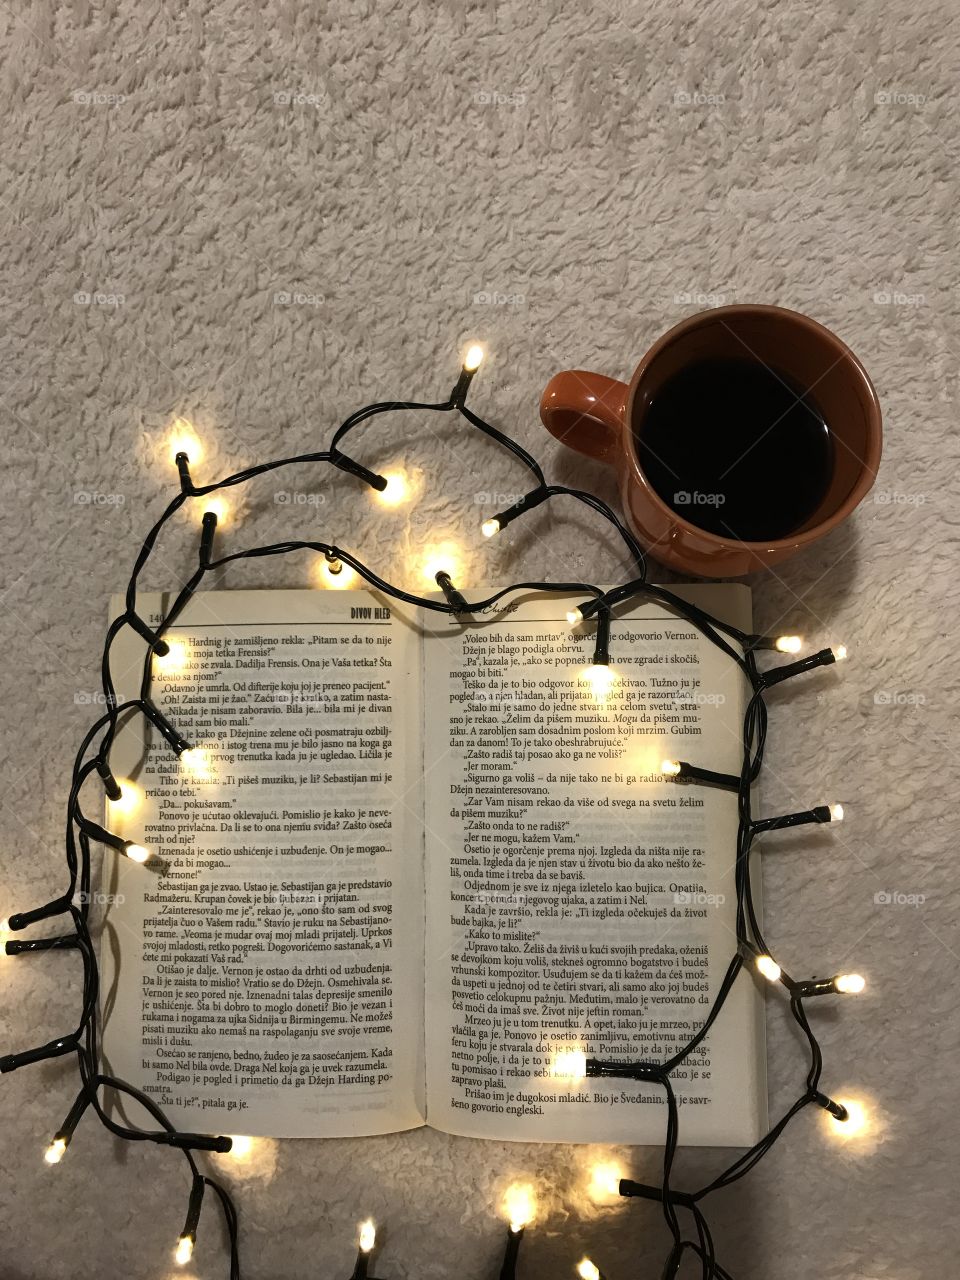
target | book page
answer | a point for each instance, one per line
(576, 899)
(271, 983)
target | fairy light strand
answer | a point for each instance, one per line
(82, 832)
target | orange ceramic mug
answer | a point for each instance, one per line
(604, 419)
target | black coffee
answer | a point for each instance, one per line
(737, 449)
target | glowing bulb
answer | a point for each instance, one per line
(587, 1270)
(600, 678)
(490, 527)
(670, 767)
(474, 358)
(196, 761)
(241, 1146)
(519, 1205)
(397, 490)
(368, 1236)
(769, 968)
(131, 798)
(840, 652)
(836, 813)
(219, 506)
(574, 616)
(605, 1180)
(443, 557)
(174, 662)
(56, 1151)
(137, 853)
(855, 1125)
(849, 984)
(5, 925)
(327, 576)
(183, 439)
(184, 1250)
(569, 1064)
(789, 644)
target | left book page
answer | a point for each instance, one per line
(271, 983)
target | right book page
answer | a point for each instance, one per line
(577, 899)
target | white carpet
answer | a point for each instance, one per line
(599, 171)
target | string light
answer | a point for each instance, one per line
(56, 1151)
(183, 439)
(569, 1064)
(670, 767)
(128, 802)
(768, 967)
(605, 1180)
(197, 762)
(215, 505)
(175, 661)
(850, 984)
(490, 527)
(520, 1205)
(396, 490)
(169, 658)
(788, 644)
(474, 358)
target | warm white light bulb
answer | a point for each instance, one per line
(368, 1236)
(397, 490)
(137, 853)
(840, 652)
(196, 761)
(849, 984)
(56, 1151)
(183, 439)
(241, 1146)
(836, 813)
(569, 1064)
(219, 506)
(173, 662)
(601, 678)
(184, 1250)
(519, 1205)
(789, 644)
(131, 798)
(670, 767)
(490, 527)
(769, 968)
(474, 358)
(587, 1270)
(574, 616)
(605, 1180)
(5, 925)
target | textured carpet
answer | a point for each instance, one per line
(260, 219)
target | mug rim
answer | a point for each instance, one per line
(869, 465)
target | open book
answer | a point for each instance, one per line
(416, 859)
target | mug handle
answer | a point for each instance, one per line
(586, 411)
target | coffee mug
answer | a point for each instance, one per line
(604, 419)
